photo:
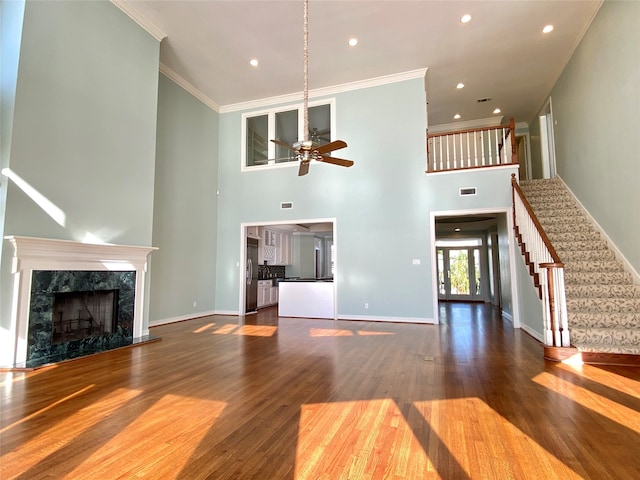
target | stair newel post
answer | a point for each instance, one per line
(549, 293)
(556, 304)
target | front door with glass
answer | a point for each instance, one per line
(459, 273)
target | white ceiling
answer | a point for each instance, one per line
(502, 53)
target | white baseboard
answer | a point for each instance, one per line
(507, 315)
(538, 336)
(618, 254)
(387, 319)
(180, 318)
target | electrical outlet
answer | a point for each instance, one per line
(194, 304)
(366, 305)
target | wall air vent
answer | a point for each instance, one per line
(286, 205)
(482, 100)
(467, 191)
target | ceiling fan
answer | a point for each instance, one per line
(309, 149)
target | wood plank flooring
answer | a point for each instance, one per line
(274, 398)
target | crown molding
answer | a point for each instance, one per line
(466, 125)
(321, 92)
(140, 19)
(170, 74)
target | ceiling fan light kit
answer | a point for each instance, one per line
(307, 150)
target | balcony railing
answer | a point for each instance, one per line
(545, 266)
(474, 148)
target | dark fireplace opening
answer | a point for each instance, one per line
(79, 315)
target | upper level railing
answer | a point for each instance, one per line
(474, 148)
(547, 268)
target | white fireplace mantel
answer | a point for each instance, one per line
(32, 254)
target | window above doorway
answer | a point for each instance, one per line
(285, 124)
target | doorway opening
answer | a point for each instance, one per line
(273, 251)
(474, 258)
(547, 141)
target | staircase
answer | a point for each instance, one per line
(603, 304)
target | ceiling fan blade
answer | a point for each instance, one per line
(283, 144)
(330, 147)
(336, 161)
(304, 168)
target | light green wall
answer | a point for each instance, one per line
(185, 208)
(536, 149)
(530, 304)
(11, 19)
(596, 103)
(84, 124)
(382, 204)
(83, 129)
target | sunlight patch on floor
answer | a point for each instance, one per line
(366, 333)
(588, 399)
(181, 434)
(496, 439)
(329, 332)
(257, 330)
(226, 329)
(364, 438)
(50, 442)
(204, 327)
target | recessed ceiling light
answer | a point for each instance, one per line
(353, 41)
(497, 110)
(253, 62)
(465, 18)
(547, 29)
(460, 85)
(457, 229)
(456, 116)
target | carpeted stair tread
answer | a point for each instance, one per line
(602, 291)
(594, 266)
(588, 236)
(603, 320)
(597, 278)
(561, 219)
(561, 227)
(598, 348)
(574, 245)
(606, 336)
(603, 304)
(586, 255)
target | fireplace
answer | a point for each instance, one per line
(73, 299)
(74, 313)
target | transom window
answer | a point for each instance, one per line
(287, 125)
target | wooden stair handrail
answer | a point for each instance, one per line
(557, 263)
(470, 130)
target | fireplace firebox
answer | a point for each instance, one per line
(80, 315)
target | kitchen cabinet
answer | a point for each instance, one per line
(268, 251)
(276, 247)
(264, 293)
(284, 251)
(267, 293)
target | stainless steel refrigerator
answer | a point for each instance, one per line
(251, 275)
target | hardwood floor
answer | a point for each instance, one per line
(281, 398)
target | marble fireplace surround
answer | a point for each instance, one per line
(34, 254)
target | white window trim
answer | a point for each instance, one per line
(271, 113)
